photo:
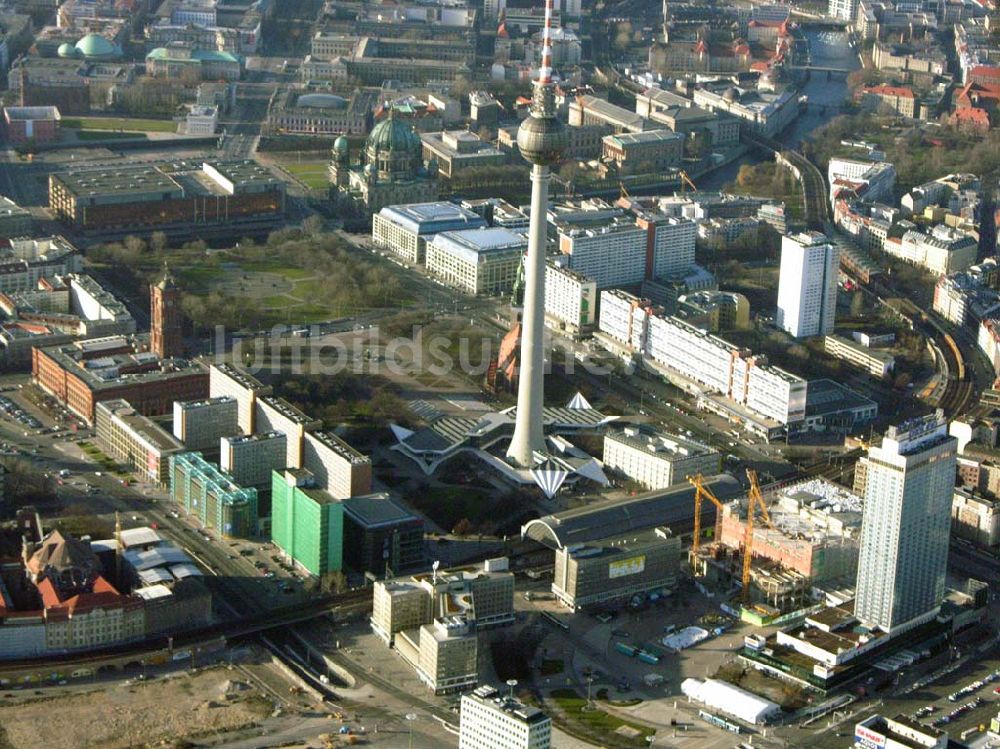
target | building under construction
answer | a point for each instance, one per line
(806, 538)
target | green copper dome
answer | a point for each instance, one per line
(66, 50)
(93, 46)
(393, 135)
(341, 145)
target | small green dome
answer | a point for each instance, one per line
(341, 145)
(97, 47)
(66, 50)
(393, 135)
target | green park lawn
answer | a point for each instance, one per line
(596, 723)
(313, 174)
(120, 123)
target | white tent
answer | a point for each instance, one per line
(729, 699)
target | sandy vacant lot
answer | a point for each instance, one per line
(134, 715)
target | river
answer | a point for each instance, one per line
(827, 49)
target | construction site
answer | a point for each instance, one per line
(785, 547)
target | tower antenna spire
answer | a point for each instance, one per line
(545, 70)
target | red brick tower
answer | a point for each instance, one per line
(165, 317)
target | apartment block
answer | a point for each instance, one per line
(307, 524)
(336, 466)
(776, 394)
(807, 285)
(976, 516)
(670, 245)
(705, 359)
(611, 253)
(625, 318)
(944, 250)
(228, 380)
(570, 299)
(251, 458)
(272, 414)
(200, 424)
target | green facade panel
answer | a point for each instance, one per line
(307, 524)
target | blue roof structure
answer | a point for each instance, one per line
(432, 218)
(474, 244)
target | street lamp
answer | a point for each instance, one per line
(410, 717)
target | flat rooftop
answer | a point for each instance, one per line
(501, 703)
(334, 443)
(825, 395)
(166, 181)
(891, 730)
(244, 173)
(107, 372)
(243, 439)
(244, 379)
(287, 410)
(142, 427)
(648, 136)
(472, 244)
(121, 180)
(432, 218)
(205, 402)
(374, 510)
(661, 444)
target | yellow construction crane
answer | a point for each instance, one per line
(701, 491)
(755, 501)
(686, 180)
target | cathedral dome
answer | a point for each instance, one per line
(393, 135)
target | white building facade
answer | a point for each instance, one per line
(906, 522)
(491, 720)
(807, 286)
(657, 461)
(200, 424)
(251, 458)
(477, 262)
(612, 255)
(570, 298)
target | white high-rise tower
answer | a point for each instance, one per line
(905, 527)
(541, 140)
(807, 284)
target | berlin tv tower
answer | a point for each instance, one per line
(541, 140)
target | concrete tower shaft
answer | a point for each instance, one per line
(542, 141)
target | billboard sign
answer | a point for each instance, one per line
(625, 567)
(868, 739)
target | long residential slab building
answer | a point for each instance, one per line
(702, 363)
